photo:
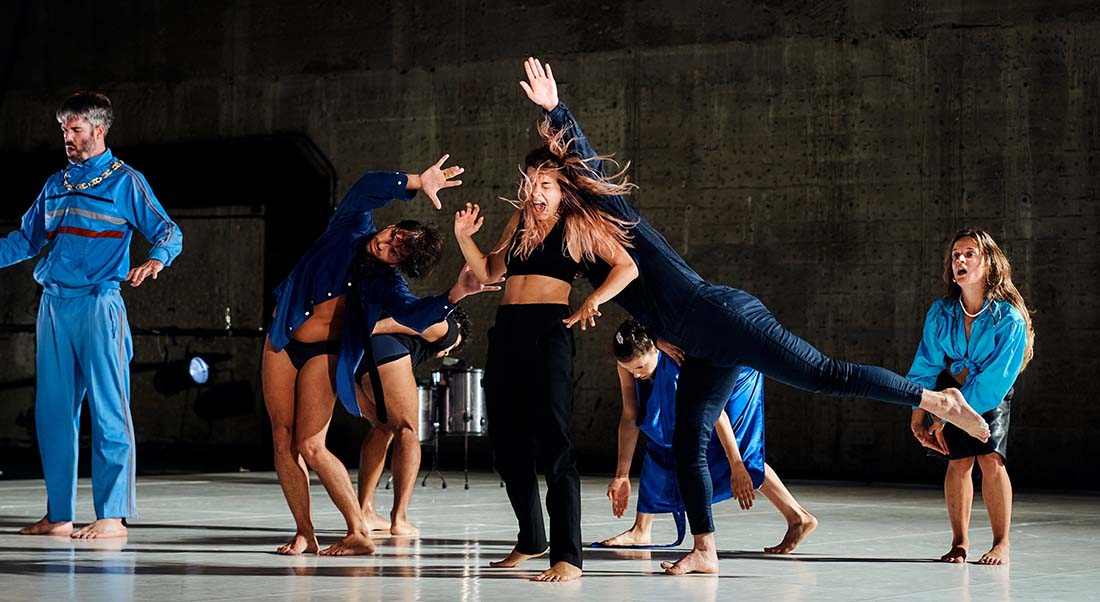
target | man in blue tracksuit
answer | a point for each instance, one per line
(85, 216)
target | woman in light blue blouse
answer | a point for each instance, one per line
(978, 338)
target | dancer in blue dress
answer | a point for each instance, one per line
(648, 378)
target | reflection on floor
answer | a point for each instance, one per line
(211, 537)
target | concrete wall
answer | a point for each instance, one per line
(816, 153)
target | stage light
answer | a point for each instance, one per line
(199, 370)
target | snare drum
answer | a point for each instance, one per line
(463, 404)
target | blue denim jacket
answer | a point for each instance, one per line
(88, 231)
(994, 352)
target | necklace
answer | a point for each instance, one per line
(94, 181)
(970, 315)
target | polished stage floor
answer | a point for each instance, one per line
(211, 537)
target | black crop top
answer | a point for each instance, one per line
(550, 258)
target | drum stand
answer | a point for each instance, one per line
(435, 459)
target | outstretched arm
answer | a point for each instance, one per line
(28, 240)
(618, 490)
(377, 188)
(489, 268)
(542, 89)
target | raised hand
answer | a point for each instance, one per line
(618, 491)
(540, 85)
(149, 269)
(468, 221)
(436, 178)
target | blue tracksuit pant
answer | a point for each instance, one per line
(84, 347)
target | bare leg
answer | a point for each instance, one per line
(279, 378)
(958, 491)
(800, 523)
(372, 460)
(638, 535)
(316, 396)
(703, 558)
(45, 527)
(951, 406)
(403, 406)
(561, 571)
(997, 493)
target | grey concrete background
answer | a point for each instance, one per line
(816, 153)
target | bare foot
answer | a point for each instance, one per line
(695, 561)
(299, 544)
(404, 527)
(561, 571)
(998, 554)
(353, 544)
(376, 522)
(101, 528)
(630, 537)
(795, 534)
(950, 405)
(956, 555)
(45, 527)
(513, 559)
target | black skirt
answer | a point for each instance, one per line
(961, 445)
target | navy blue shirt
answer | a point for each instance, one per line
(665, 281)
(326, 271)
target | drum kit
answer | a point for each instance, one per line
(452, 404)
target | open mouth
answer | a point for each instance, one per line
(960, 272)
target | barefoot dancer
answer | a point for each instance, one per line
(397, 351)
(978, 337)
(312, 351)
(719, 328)
(86, 215)
(736, 460)
(529, 370)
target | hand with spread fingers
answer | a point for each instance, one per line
(586, 314)
(540, 85)
(467, 284)
(436, 178)
(468, 221)
(149, 269)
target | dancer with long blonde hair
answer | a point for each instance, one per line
(529, 371)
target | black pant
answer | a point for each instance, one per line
(529, 399)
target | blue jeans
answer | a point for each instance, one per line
(724, 328)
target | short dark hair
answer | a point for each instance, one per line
(462, 320)
(421, 247)
(93, 106)
(631, 340)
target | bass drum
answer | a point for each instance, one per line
(463, 404)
